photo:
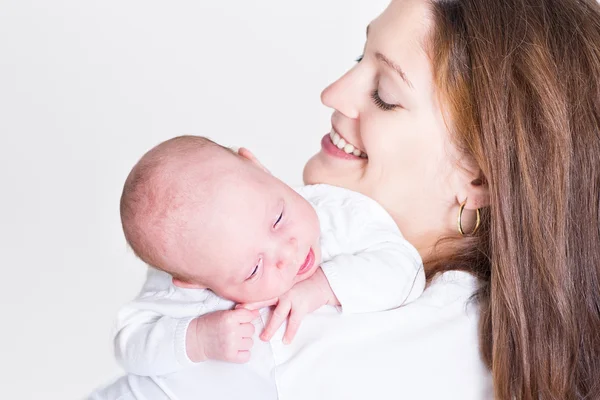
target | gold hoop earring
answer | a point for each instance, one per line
(460, 212)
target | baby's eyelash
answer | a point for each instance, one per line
(254, 272)
(380, 103)
(278, 220)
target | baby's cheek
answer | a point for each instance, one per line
(247, 293)
(280, 285)
(262, 291)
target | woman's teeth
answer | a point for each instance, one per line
(341, 144)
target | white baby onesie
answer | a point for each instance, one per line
(369, 265)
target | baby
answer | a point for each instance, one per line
(218, 229)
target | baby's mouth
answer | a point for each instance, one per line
(308, 263)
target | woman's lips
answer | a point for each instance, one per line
(308, 263)
(332, 150)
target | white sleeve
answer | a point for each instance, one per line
(379, 270)
(151, 330)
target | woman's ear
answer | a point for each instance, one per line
(247, 154)
(476, 194)
(473, 196)
(186, 285)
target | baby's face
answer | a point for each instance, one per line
(254, 238)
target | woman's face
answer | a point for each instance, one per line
(386, 107)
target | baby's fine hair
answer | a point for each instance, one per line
(154, 195)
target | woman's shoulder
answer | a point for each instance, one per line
(449, 287)
(322, 192)
(344, 203)
(396, 352)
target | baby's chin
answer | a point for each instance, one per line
(306, 275)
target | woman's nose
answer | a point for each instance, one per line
(343, 95)
(287, 253)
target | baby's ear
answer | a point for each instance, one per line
(247, 154)
(186, 285)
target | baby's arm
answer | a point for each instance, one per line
(380, 278)
(375, 269)
(161, 331)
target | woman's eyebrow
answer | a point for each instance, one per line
(395, 67)
(392, 64)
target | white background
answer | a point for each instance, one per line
(86, 87)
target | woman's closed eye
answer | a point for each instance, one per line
(375, 95)
(380, 103)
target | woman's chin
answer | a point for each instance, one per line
(323, 169)
(320, 169)
(312, 170)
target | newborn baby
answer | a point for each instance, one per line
(218, 229)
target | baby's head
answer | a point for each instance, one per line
(215, 219)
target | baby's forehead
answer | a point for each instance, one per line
(222, 183)
(204, 168)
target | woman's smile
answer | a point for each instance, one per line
(344, 145)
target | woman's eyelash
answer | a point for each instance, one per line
(380, 103)
(360, 58)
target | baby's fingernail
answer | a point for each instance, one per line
(286, 341)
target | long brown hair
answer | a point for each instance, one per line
(519, 81)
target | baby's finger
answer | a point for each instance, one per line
(243, 315)
(246, 343)
(242, 357)
(279, 316)
(292, 326)
(247, 330)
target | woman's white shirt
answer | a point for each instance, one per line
(427, 349)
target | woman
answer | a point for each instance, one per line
(481, 124)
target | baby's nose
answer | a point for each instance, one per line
(288, 253)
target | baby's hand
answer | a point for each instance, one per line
(224, 335)
(303, 298)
